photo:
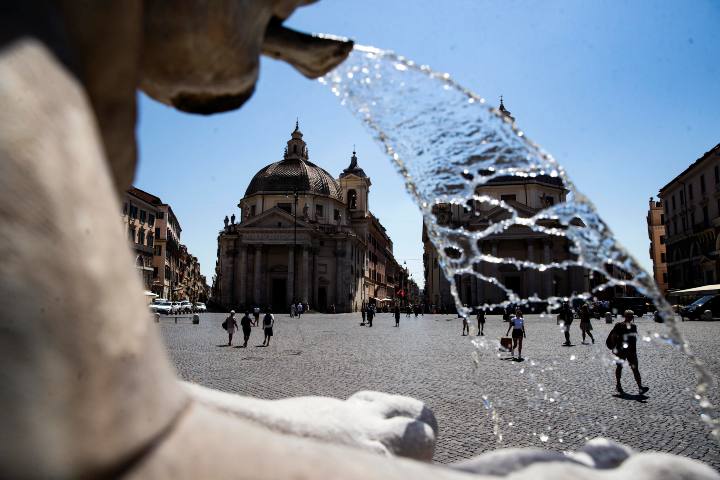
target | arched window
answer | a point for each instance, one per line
(352, 199)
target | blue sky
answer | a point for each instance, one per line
(625, 94)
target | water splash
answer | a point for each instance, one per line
(447, 143)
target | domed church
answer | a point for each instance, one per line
(304, 236)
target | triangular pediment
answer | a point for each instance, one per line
(271, 218)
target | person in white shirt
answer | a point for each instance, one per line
(268, 322)
(517, 324)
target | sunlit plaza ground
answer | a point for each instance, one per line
(554, 399)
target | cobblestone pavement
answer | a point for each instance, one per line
(554, 399)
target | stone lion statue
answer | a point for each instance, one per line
(87, 389)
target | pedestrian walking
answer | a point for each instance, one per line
(408, 310)
(293, 310)
(363, 311)
(566, 317)
(230, 325)
(466, 326)
(256, 314)
(397, 316)
(299, 309)
(517, 325)
(370, 314)
(481, 322)
(268, 322)
(622, 340)
(245, 324)
(585, 325)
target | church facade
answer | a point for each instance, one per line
(302, 235)
(527, 196)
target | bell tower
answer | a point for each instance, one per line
(356, 188)
(296, 147)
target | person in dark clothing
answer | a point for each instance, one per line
(363, 311)
(370, 315)
(245, 323)
(397, 316)
(481, 322)
(566, 317)
(466, 326)
(268, 323)
(585, 325)
(623, 340)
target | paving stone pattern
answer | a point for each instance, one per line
(554, 399)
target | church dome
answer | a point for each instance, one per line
(294, 172)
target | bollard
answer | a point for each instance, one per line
(196, 319)
(175, 319)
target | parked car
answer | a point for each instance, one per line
(186, 307)
(696, 310)
(200, 307)
(639, 305)
(162, 306)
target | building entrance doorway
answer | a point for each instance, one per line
(279, 294)
(322, 299)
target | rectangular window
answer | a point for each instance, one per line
(706, 217)
(155, 272)
(690, 191)
(161, 215)
(318, 210)
(662, 239)
(285, 206)
(662, 257)
(336, 214)
(717, 174)
(702, 183)
(143, 216)
(151, 219)
(673, 201)
(508, 197)
(684, 224)
(150, 240)
(675, 227)
(682, 197)
(252, 210)
(662, 219)
(664, 277)
(158, 250)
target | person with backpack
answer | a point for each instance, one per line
(245, 324)
(585, 325)
(622, 340)
(396, 311)
(230, 325)
(268, 322)
(517, 324)
(481, 322)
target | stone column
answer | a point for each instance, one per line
(291, 275)
(306, 275)
(256, 280)
(338, 274)
(531, 273)
(242, 284)
(548, 273)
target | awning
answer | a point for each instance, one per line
(703, 289)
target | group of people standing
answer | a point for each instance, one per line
(297, 309)
(246, 323)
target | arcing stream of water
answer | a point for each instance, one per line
(447, 143)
